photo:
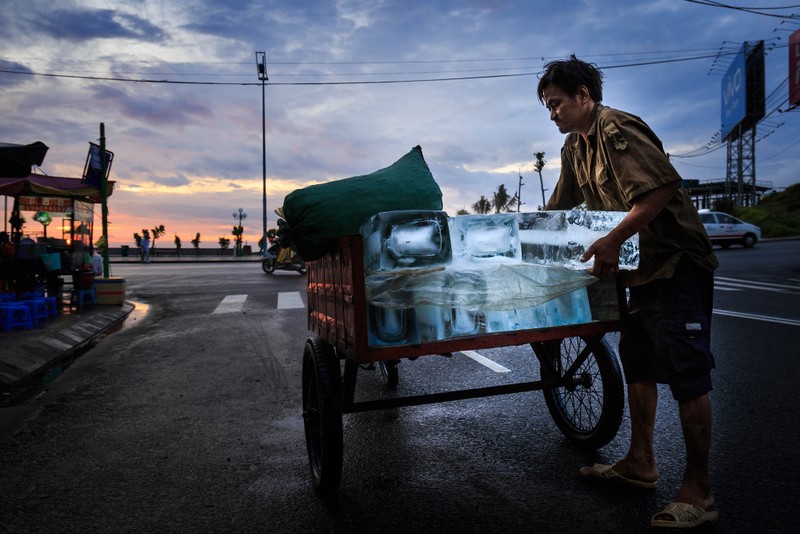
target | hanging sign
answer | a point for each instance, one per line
(49, 204)
(93, 169)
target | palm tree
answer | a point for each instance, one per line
(502, 201)
(482, 206)
(196, 244)
(158, 231)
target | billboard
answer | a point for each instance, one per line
(734, 94)
(743, 102)
(794, 69)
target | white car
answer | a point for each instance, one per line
(725, 230)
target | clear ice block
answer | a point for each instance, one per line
(406, 239)
(561, 237)
(391, 326)
(485, 238)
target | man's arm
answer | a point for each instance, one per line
(645, 208)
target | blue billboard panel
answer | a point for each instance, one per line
(734, 94)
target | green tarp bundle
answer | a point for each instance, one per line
(317, 215)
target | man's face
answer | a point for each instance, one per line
(570, 113)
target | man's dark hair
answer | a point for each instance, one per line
(570, 74)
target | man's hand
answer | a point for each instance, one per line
(606, 257)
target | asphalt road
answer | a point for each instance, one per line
(188, 420)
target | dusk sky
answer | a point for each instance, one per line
(354, 85)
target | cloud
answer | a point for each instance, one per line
(79, 25)
(13, 80)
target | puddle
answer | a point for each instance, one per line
(139, 312)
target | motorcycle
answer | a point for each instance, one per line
(270, 263)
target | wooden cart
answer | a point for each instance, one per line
(580, 376)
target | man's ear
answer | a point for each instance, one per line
(583, 94)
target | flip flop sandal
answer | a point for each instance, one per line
(683, 515)
(606, 473)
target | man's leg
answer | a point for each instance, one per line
(696, 423)
(640, 461)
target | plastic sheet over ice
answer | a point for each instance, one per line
(495, 287)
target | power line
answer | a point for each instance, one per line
(752, 10)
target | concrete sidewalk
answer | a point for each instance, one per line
(28, 354)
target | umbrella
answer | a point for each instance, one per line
(16, 160)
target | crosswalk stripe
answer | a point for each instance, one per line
(483, 360)
(290, 300)
(231, 304)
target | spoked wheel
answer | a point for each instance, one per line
(268, 265)
(389, 372)
(588, 409)
(322, 414)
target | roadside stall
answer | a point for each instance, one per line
(47, 232)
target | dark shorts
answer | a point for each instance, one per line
(666, 337)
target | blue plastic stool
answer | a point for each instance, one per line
(15, 314)
(38, 307)
(52, 306)
(82, 297)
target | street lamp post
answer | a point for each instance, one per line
(239, 215)
(261, 63)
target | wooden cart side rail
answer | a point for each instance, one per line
(337, 297)
(499, 339)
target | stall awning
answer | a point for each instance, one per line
(37, 184)
(16, 160)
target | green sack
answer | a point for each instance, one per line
(317, 215)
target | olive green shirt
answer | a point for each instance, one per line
(623, 159)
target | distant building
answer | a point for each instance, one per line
(705, 193)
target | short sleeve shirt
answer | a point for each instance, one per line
(623, 159)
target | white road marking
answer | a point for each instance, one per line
(290, 300)
(231, 304)
(752, 284)
(779, 320)
(483, 360)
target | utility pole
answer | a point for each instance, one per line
(538, 166)
(261, 64)
(104, 196)
(519, 191)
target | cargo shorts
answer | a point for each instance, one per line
(666, 336)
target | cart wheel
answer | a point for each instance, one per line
(322, 414)
(589, 409)
(389, 372)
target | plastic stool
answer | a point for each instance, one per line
(15, 314)
(38, 307)
(82, 297)
(52, 306)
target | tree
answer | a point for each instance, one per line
(224, 243)
(137, 239)
(502, 201)
(538, 166)
(196, 244)
(177, 245)
(482, 206)
(158, 231)
(462, 211)
(237, 233)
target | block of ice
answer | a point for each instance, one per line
(433, 322)
(406, 239)
(391, 326)
(561, 237)
(485, 238)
